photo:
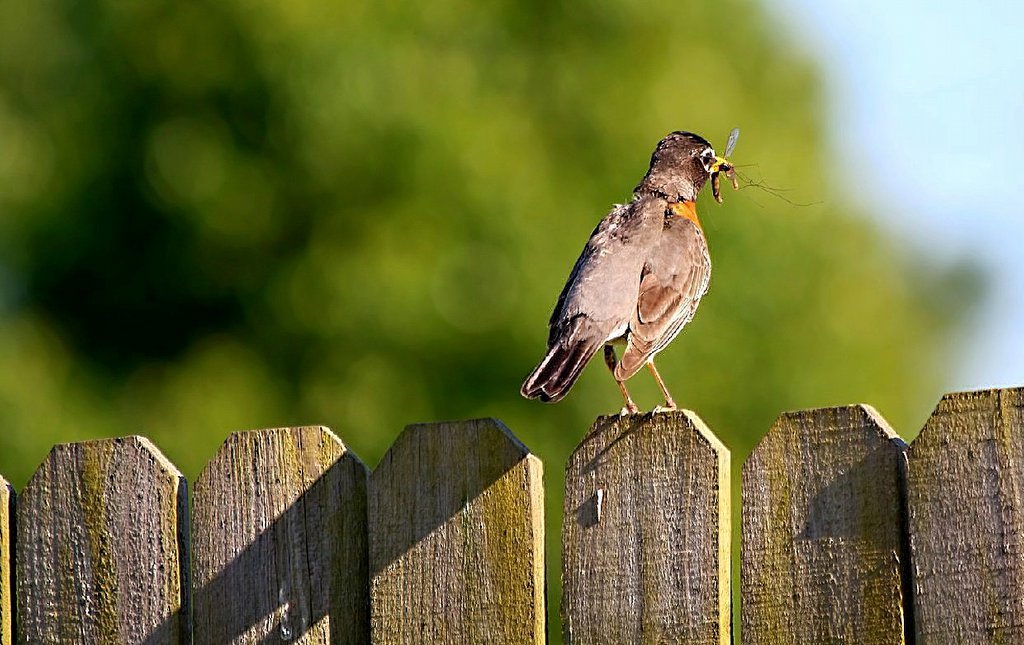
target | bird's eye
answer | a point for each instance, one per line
(707, 157)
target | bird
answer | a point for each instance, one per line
(640, 276)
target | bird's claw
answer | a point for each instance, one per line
(668, 407)
(628, 409)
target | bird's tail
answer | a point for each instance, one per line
(558, 371)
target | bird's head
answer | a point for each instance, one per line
(680, 166)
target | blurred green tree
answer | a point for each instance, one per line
(227, 215)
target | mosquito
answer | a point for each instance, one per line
(726, 167)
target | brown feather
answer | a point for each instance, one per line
(675, 278)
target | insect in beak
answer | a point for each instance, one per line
(722, 165)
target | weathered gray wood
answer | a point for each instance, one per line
(6, 564)
(101, 549)
(457, 538)
(646, 533)
(966, 500)
(822, 539)
(279, 541)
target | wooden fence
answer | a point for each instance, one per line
(848, 536)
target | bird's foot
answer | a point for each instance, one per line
(629, 408)
(670, 406)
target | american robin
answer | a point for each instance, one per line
(639, 278)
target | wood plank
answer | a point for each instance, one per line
(646, 533)
(102, 546)
(6, 563)
(822, 536)
(279, 540)
(457, 537)
(966, 500)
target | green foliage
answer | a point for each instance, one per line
(228, 215)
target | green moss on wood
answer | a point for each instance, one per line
(6, 606)
(455, 510)
(965, 491)
(101, 543)
(653, 566)
(95, 458)
(821, 502)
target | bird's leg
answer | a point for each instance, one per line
(611, 361)
(670, 404)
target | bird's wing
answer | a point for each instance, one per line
(599, 297)
(675, 278)
(603, 284)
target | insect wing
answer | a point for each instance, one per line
(733, 138)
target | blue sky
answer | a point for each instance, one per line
(926, 117)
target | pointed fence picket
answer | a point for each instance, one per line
(279, 540)
(646, 533)
(457, 537)
(822, 551)
(966, 520)
(848, 536)
(101, 550)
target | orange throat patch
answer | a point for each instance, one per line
(687, 210)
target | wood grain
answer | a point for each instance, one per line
(822, 539)
(279, 541)
(457, 538)
(102, 546)
(6, 563)
(966, 499)
(646, 533)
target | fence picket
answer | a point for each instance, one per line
(966, 500)
(6, 563)
(822, 539)
(646, 533)
(457, 537)
(279, 539)
(102, 546)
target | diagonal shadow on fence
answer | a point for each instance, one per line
(832, 512)
(431, 475)
(302, 573)
(306, 572)
(457, 537)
